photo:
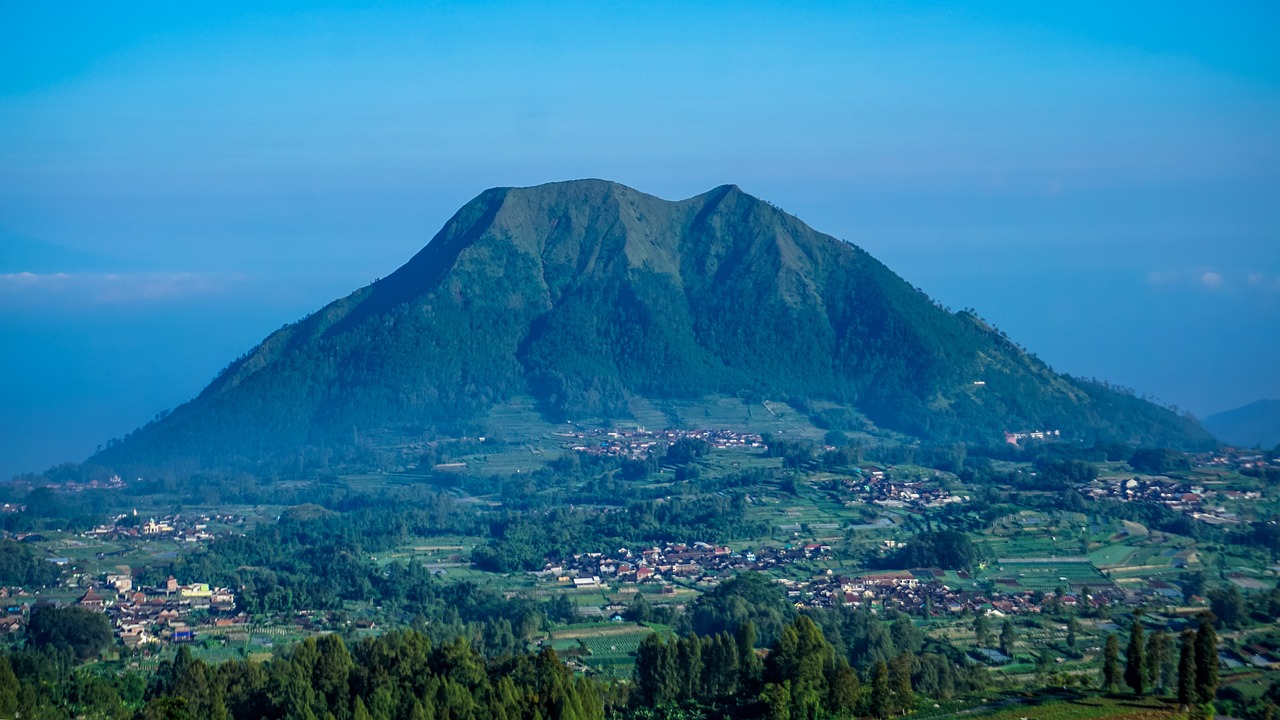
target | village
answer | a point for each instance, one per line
(920, 592)
(140, 616)
(877, 486)
(1178, 495)
(638, 443)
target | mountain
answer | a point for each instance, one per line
(583, 293)
(1257, 423)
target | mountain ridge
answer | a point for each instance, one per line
(584, 292)
(1255, 424)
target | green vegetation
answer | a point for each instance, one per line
(880, 578)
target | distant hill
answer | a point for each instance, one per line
(585, 293)
(1257, 423)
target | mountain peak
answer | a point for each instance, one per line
(587, 293)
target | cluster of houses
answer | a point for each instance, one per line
(1023, 436)
(876, 486)
(639, 443)
(1177, 495)
(169, 612)
(923, 592)
(697, 562)
(30, 482)
(183, 528)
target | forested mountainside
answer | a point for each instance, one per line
(585, 293)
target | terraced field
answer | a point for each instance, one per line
(1050, 574)
(608, 648)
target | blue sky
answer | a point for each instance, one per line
(1099, 181)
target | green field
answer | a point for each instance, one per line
(1049, 575)
(606, 648)
(1052, 707)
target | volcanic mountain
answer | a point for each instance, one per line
(585, 293)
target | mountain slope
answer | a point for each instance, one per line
(584, 292)
(1257, 423)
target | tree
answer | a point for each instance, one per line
(1044, 662)
(1187, 670)
(1156, 658)
(1006, 638)
(722, 666)
(84, 632)
(1135, 666)
(904, 699)
(689, 666)
(1206, 660)
(1111, 664)
(777, 701)
(657, 677)
(561, 609)
(748, 661)
(947, 549)
(1159, 460)
(1169, 663)
(1229, 606)
(20, 566)
(800, 658)
(843, 689)
(748, 597)
(1073, 628)
(9, 689)
(981, 629)
(881, 692)
(639, 609)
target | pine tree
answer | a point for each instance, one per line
(1155, 658)
(904, 699)
(1111, 664)
(843, 689)
(1187, 670)
(749, 664)
(657, 678)
(881, 693)
(689, 665)
(1169, 664)
(1006, 638)
(1206, 660)
(721, 666)
(1135, 666)
(9, 688)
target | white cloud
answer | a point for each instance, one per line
(1215, 280)
(111, 288)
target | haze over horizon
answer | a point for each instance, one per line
(1098, 182)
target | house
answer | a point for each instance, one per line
(90, 600)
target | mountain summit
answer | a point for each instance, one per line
(583, 293)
